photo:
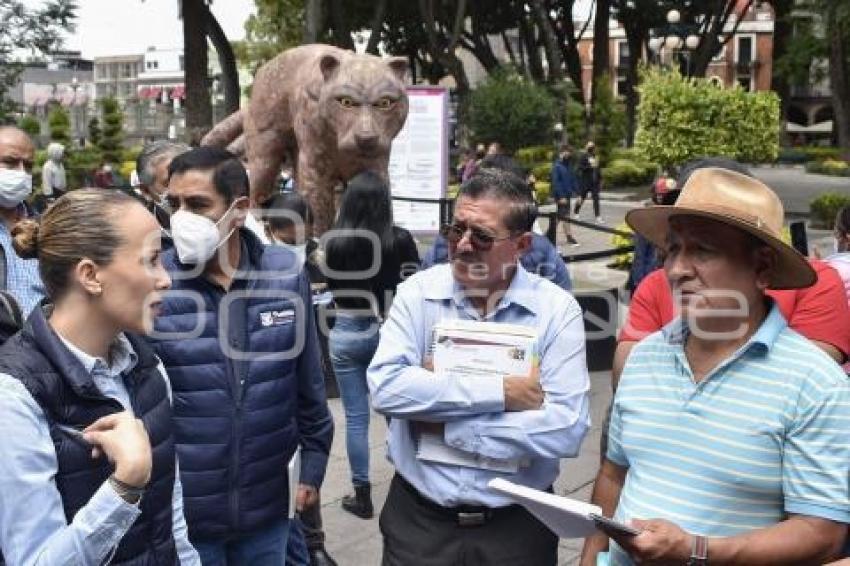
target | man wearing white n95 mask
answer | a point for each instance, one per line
(237, 336)
(18, 276)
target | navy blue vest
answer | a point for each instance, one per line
(234, 419)
(66, 393)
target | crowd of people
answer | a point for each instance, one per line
(164, 399)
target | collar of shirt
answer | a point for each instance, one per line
(121, 353)
(443, 287)
(763, 338)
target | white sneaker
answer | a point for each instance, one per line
(599, 220)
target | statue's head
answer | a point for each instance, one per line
(363, 102)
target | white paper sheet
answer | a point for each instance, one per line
(293, 470)
(567, 518)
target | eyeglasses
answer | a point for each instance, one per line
(480, 240)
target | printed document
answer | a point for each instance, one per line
(463, 348)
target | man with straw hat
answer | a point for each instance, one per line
(728, 440)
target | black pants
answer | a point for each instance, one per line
(594, 193)
(418, 532)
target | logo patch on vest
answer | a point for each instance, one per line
(277, 318)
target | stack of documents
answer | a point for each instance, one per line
(464, 348)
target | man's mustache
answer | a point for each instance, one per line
(467, 258)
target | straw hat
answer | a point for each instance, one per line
(737, 200)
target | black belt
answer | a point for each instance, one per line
(463, 515)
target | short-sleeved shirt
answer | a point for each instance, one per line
(762, 436)
(819, 312)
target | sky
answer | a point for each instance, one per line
(124, 27)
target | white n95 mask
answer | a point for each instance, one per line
(196, 237)
(15, 187)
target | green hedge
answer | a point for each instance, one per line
(806, 153)
(542, 171)
(825, 208)
(831, 167)
(682, 118)
(543, 190)
(531, 156)
(628, 173)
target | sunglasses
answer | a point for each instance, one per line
(480, 240)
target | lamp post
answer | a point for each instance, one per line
(558, 135)
(75, 108)
(676, 36)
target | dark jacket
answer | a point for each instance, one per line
(564, 180)
(247, 393)
(590, 177)
(68, 396)
(541, 258)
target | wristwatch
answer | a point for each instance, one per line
(699, 551)
(130, 494)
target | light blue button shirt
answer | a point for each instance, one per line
(473, 409)
(33, 529)
(23, 280)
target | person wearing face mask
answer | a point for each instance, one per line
(289, 223)
(564, 187)
(152, 169)
(238, 338)
(18, 276)
(88, 470)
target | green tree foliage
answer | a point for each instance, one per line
(112, 135)
(24, 28)
(277, 25)
(511, 110)
(679, 119)
(30, 125)
(94, 131)
(60, 126)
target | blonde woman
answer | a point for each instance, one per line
(88, 471)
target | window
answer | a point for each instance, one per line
(744, 59)
(623, 57)
(182, 63)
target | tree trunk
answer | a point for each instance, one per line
(600, 44)
(377, 23)
(839, 75)
(547, 34)
(312, 20)
(635, 37)
(198, 105)
(227, 62)
(447, 58)
(566, 37)
(782, 32)
(341, 32)
(710, 43)
(532, 53)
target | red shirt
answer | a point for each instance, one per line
(819, 312)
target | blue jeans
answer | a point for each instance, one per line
(353, 342)
(264, 547)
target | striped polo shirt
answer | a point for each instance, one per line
(764, 434)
